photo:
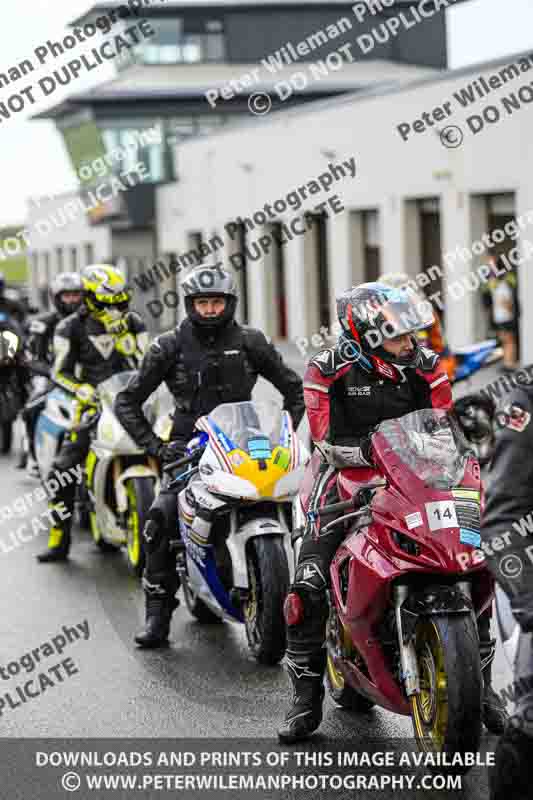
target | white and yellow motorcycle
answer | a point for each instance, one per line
(121, 480)
(238, 566)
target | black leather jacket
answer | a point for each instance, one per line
(13, 309)
(41, 336)
(507, 524)
(84, 352)
(202, 370)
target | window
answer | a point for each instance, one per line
(89, 254)
(371, 245)
(188, 42)
(59, 260)
(74, 259)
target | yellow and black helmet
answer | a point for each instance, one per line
(105, 288)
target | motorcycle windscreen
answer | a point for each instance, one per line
(427, 442)
(109, 389)
(253, 441)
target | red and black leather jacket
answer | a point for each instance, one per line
(345, 400)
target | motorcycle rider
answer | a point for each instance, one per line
(11, 308)
(507, 544)
(377, 371)
(207, 360)
(66, 294)
(432, 336)
(100, 339)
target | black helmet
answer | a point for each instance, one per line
(373, 312)
(475, 414)
(210, 280)
(66, 282)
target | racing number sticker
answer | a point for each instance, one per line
(441, 515)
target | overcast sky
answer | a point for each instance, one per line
(32, 155)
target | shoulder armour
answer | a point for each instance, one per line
(254, 335)
(166, 343)
(427, 360)
(38, 326)
(135, 322)
(328, 361)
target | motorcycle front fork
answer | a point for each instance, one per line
(408, 657)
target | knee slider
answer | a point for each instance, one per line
(307, 598)
(152, 530)
(309, 577)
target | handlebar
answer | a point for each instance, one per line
(182, 462)
(334, 508)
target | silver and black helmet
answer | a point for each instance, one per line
(210, 280)
(66, 282)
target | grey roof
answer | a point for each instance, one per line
(156, 82)
(227, 4)
(380, 90)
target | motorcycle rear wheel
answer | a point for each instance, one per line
(100, 542)
(268, 573)
(140, 493)
(447, 712)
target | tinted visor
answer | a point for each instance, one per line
(406, 312)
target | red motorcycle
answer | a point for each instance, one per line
(406, 587)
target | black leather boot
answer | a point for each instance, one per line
(305, 715)
(159, 607)
(58, 546)
(495, 716)
(511, 777)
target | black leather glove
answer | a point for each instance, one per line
(171, 451)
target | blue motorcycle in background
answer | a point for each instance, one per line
(472, 358)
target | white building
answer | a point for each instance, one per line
(412, 200)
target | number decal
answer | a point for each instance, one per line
(441, 514)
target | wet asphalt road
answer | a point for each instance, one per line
(204, 685)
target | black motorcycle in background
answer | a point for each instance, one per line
(14, 378)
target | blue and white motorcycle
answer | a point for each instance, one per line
(472, 358)
(235, 520)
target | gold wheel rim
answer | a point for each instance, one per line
(94, 527)
(250, 609)
(336, 678)
(134, 541)
(429, 708)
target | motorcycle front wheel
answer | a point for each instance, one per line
(268, 574)
(140, 493)
(447, 712)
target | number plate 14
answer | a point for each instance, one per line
(441, 514)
